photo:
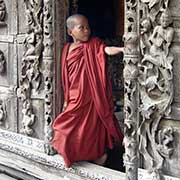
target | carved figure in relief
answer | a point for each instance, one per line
(28, 118)
(145, 32)
(159, 60)
(154, 7)
(39, 41)
(162, 36)
(2, 63)
(29, 44)
(156, 91)
(33, 75)
(152, 3)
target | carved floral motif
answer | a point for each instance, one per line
(31, 76)
(156, 81)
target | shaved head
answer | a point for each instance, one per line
(71, 20)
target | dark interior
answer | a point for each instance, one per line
(100, 15)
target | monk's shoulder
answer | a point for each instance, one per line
(95, 41)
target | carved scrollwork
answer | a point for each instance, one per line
(48, 74)
(2, 63)
(165, 142)
(3, 112)
(156, 81)
(2, 13)
(31, 76)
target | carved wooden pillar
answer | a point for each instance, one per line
(48, 72)
(131, 58)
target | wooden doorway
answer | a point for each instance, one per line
(106, 20)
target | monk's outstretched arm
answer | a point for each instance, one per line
(113, 50)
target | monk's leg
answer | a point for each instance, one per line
(101, 160)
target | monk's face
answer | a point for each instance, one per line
(81, 30)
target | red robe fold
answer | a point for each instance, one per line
(87, 126)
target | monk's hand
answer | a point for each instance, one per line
(113, 50)
(64, 105)
(122, 49)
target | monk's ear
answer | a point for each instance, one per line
(69, 31)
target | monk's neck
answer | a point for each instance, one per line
(77, 42)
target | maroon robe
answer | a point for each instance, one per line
(87, 126)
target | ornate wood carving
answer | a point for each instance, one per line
(53, 162)
(131, 58)
(3, 113)
(48, 72)
(2, 63)
(2, 13)
(31, 75)
(21, 140)
(156, 82)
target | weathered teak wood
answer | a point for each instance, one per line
(32, 34)
(131, 59)
(150, 74)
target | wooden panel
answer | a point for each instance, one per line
(21, 17)
(10, 18)
(8, 104)
(38, 125)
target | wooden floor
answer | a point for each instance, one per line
(6, 177)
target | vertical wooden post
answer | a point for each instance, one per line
(48, 62)
(131, 58)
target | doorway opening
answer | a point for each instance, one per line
(106, 19)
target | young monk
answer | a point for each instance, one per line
(87, 126)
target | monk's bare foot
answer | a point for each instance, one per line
(101, 160)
